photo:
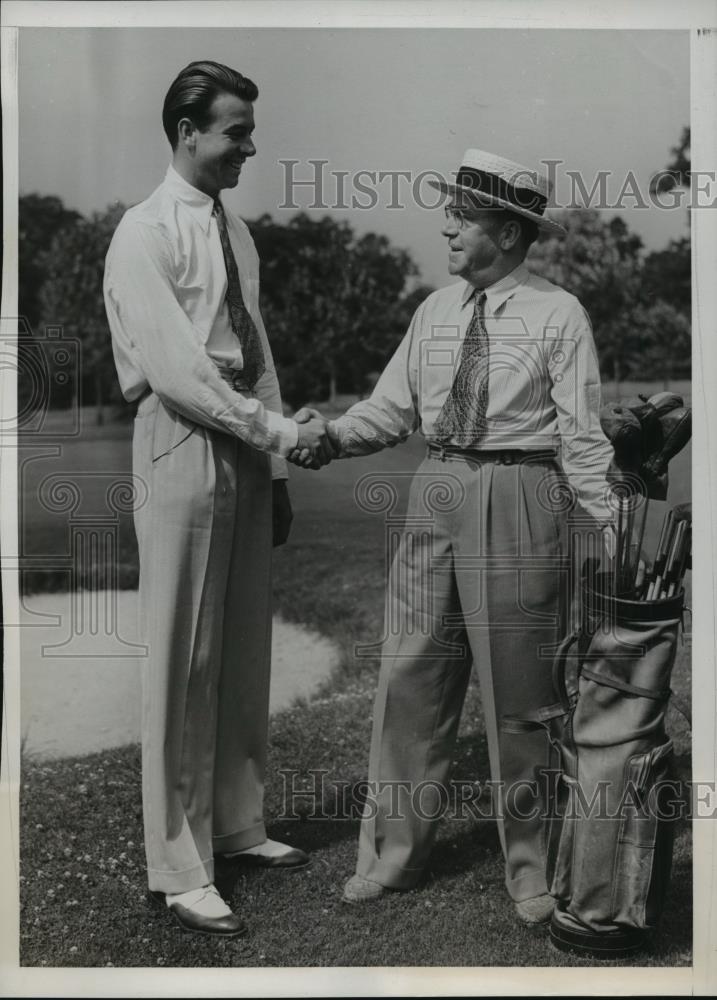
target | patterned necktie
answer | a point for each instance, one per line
(462, 420)
(242, 323)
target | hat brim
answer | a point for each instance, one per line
(460, 191)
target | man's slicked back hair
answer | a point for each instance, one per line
(192, 92)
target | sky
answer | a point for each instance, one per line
(391, 99)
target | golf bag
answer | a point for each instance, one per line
(610, 837)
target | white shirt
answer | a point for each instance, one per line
(543, 380)
(165, 294)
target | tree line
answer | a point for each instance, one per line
(336, 304)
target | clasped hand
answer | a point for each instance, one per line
(314, 447)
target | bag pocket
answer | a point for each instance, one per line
(562, 827)
(644, 848)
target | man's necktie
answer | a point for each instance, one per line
(242, 323)
(462, 420)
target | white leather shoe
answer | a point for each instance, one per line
(202, 911)
(270, 854)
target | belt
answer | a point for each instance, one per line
(235, 378)
(499, 456)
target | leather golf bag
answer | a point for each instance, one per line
(610, 843)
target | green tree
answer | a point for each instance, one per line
(664, 335)
(677, 171)
(333, 303)
(40, 219)
(71, 297)
(667, 276)
(600, 262)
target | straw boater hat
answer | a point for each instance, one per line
(485, 179)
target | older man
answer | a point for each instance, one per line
(182, 298)
(499, 373)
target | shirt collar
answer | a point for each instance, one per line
(500, 291)
(199, 204)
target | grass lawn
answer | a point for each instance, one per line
(82, 862)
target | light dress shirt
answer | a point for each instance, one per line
(543, 380)
(165, 294)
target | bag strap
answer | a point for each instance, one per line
(608, 681)
(539, 718)
(566, 694)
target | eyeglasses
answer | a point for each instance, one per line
(458, 217)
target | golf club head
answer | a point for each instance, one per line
(683, 511)
(623, 430)
(675, 431)
(649, 411)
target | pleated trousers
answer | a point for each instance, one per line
(479, 577)
(204, 530)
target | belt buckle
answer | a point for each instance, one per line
(507, 458)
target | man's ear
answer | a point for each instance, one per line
(187, 132)
(510, 234)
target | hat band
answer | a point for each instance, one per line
(490, 184)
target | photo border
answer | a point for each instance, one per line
(701, 979)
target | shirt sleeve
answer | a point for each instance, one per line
(146, 319)
(390, 414)
(267, 388)
(575, 389)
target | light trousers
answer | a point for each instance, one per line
(204, 532)
(480, 577)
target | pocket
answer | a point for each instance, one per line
(169, 431)
(147, 405)
(561, 842)
(551, 756)
(644, 849)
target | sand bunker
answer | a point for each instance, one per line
(80, 670)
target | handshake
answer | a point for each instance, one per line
(316, 445)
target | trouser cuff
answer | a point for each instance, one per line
(228, 843)
(181, 881)
(527, 886)
(388, 875)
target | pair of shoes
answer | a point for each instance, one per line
(270, 854)
(201, 911)
(361, 890)
(537, 910)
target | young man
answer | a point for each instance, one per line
(499, 373)
(182, 298)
